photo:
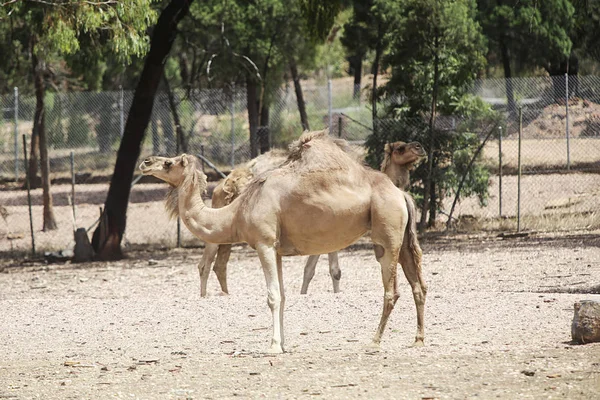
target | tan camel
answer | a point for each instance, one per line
(319, 201)
(399, 159)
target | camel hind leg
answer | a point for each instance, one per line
(410, 259)
(309, 272)
(387, 257)
(220, 267)
(335, 271)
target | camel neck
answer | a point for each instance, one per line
(399, 174)
(214, 225)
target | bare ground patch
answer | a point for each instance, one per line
(138, 328)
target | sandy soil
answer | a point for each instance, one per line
(497, 326)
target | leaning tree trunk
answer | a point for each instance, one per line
(39, 125)
(109, 233)
(299, 95)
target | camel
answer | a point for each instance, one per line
(319, 201)
(399, 159)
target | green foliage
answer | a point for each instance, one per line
(435, 40)
(536, 33)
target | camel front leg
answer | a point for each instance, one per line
(309, 272)
(210, 251)
(335, 271)
(388, 259)
(220, 267)
(271, 265)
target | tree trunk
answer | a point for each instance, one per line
(181, 142)
(376, 61)
(264, 133)
(109, 233)
(34, 151)
(39, 125)
(167, 126)
(252, 98)
(431, 165)
(356, 64)
(299, 95)
(510, 95)
(432, 205)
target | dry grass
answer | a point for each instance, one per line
(540, 154)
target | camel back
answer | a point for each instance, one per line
(317, 151)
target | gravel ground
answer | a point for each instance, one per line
(498, 320)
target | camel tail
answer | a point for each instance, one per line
(410, 234)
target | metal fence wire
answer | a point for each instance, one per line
(550, 134)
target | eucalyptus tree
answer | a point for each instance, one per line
(436, 48)
(528, 34)
(107, 237)
(51, 29)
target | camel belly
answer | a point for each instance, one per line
(318, 229)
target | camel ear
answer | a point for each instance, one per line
(184, 160)
(387, 148)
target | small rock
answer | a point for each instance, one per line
(586, 322)
(152, 262)
(528, 372)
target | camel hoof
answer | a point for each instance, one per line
(274, 349)
(373, 348)
(418, 343)
(222, 294)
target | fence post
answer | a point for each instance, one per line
(232, 109)
(16, 110)
(339, 126)
(73, 189)
(329, 102)
(500, 171)
(121, 110)
(567, 120)
(519, 171)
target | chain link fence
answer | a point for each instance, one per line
(558, 152)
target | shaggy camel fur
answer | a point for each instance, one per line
(319, 201)
(399, 159)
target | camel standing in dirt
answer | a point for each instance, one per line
(319, 201)
(399, 159)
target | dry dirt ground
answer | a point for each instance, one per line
(498, 320)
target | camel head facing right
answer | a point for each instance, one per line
(402, 153)
(172, 170)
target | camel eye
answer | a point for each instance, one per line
(168, 163)
(400, 150)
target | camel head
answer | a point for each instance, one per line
(402, 153)
(171, 170)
